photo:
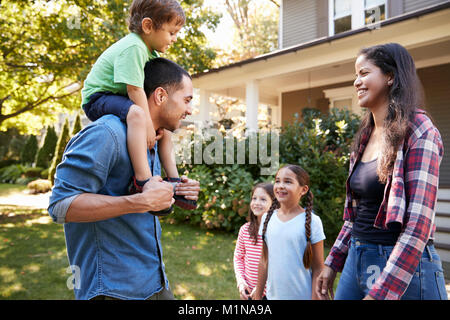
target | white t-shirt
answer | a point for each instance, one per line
(286, 242)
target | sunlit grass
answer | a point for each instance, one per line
(33, 259)
(7, 189)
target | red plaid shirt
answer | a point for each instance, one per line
(409, 198)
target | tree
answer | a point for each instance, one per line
(47, 49)
(29, 150)
(256, 25)
(76, 125)
(63, 139)
(47, 151)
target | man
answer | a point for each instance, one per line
(112, 240)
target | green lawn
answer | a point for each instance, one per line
(33, 260)
(7, 189)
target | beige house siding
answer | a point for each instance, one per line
(299, 19)
(436, 83)
(295, 101)
(412, 5)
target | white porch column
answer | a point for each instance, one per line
(252, 101)
(276, 116)
(205, 107)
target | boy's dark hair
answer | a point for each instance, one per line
(161, 72)
(160, 11)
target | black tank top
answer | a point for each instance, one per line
(369, 191)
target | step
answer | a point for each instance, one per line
(442, 235)
(443, 194)
(442, 221)
(443, 206)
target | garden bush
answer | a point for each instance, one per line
(321, 145)
(47, 151)
(11, 173)
(63, 139)
(39, 186)
(29, 150)
(318, 142)
(225, 188)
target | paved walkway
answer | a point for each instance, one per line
(40, 201)
(23, 198)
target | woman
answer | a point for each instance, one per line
(385, 247)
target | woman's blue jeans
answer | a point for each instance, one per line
(366, 261)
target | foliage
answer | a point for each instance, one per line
(63, 139)
(256, 29)
(46, 152)
(47, 49)
(76, 125)
(11, 145)
(20, 174)
(225, 188)
(191, 50)
(12, 173)
(39, 186)
(29, 150)
(320, 144)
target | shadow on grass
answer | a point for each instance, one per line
(199, 263)
(33, 257)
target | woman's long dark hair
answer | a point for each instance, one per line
(303, 180)
(253, 227)
(405, 96)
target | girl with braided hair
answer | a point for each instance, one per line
(249, 243)
(293, 238)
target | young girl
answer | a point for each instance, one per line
(293, 241)
(249, 243)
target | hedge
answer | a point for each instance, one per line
(317, 142)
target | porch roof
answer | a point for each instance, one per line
(425, 33)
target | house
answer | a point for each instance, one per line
(314, 67)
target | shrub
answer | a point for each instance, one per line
(12, 173)
(29, 150)
(63, 139)
(76, 125)
(39, 186)
(32, 172)
(223, 200)
(44, 173)
(11, 145)
(320, 144)
(47, 151)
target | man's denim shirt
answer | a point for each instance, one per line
(119, 257)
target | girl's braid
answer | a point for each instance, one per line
(275, 205)
(307, 256)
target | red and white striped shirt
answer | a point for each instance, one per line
(246, 257)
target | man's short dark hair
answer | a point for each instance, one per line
(160, 11)
(161, 72)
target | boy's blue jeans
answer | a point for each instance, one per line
(102, 103)
(365, 262)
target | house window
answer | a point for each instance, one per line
(374, 11)
(344, 98)
(353, 14)
(342, 15)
